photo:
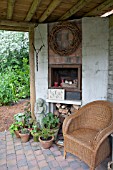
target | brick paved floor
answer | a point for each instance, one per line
(15, 155)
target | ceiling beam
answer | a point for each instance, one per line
(102, 7)
(17, 23)
(49, 10)
(20, 29)
(32, 9)
(74, 9)
(10, 8)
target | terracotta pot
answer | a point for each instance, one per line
(46, 143)
(17, 134)
(24, 137)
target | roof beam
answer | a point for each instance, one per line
(49, 10)
(74, 9)
(32, 9)
(102, 7)
(9, 28)
(17, 23)
(10, 8)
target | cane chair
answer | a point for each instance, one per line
(86, 132)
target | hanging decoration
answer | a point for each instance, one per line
(38, 50)
(58, 43)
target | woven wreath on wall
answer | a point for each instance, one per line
(64, 38)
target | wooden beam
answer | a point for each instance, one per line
(10, 7)
(74, 9)
(32, 10)
(49, 10)
(20, 29)
(111, 21)
(17, 23)
(102, 7)
(32, 71)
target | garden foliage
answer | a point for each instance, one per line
(14, 66)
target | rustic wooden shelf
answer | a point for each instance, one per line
(69, 72)
(67, 89)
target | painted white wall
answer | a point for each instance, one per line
(41, 76)
(95, 34)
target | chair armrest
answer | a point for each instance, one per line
(101, 136)
(70, 123)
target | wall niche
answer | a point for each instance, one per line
(65, 57)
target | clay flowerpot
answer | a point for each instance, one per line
(46, 143)
(24, 137)
(17, 134)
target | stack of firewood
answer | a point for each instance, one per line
(63, 110)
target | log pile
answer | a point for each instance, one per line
(64, 110)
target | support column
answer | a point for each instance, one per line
(32, 71)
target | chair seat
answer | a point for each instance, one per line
(83, 136)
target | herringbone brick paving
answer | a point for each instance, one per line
(15, 155)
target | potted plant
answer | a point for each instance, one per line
(25, 117)
(46, 138)
(35, 132)
(24, 134)
(52, 122)
(28, 121)
(14, 128)
(19, 117)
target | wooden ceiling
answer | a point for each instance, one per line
(20, 14)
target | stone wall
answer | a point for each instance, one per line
(110, 70)
(95, 35)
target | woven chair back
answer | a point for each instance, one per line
(96, 116)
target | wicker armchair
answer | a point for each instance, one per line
(86, 132)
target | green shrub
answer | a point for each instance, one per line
(14, 84)
(14, 67)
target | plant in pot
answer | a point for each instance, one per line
(15, 127)
(46, 138)
(25, 117)
(19, 117)
(52, 122)
(35, 132)
(24, 134)
(28, 121)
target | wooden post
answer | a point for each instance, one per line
(32, 70)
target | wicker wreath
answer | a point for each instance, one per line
(76, 39)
